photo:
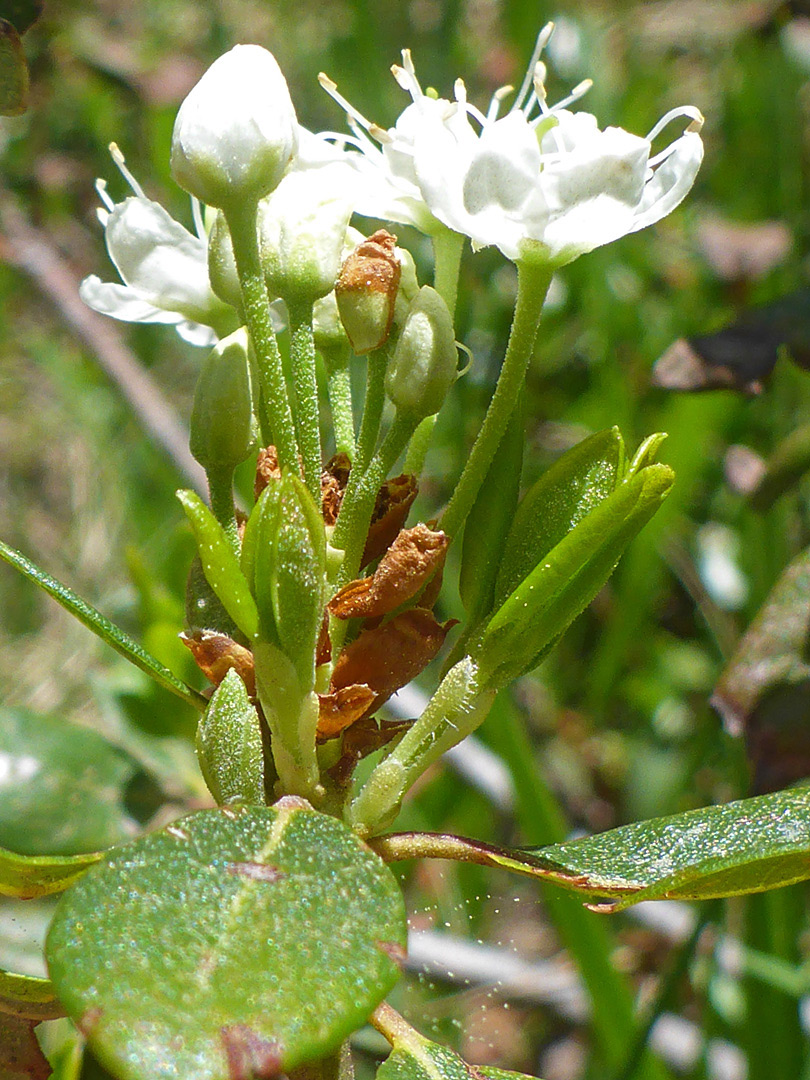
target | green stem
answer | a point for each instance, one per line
(305, 396)
(533, 282)
(419, 446)
(220, 490)
(339, 389)
(241, 219)
(372, 411)
(358, 502)
(447, 250)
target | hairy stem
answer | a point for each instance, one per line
(305, 396)
(533, 282)
(242, 225)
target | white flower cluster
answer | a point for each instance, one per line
(538, 182)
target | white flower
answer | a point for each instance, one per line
(164, 268)
(302, 228)
(540, 177)
(236, 131)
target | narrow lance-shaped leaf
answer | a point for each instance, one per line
(101, 626)
(567, 579)
(236, 942)
(742, 847)
(220, 564)
(566, 492)
(490, 518)
(27, 876)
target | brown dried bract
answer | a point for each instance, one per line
(413, 558)
(215, 655)
(394, 500)
(267, 469)
(388, 656)
(339, 710)
(373, 266)
(362, 739)
(334, 478)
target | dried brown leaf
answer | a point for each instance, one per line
(215, 654)
(412, 559)
(339, 710)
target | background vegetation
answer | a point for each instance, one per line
(617, 724)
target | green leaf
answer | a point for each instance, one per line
(786, 466)
(13, 72)
(107, 631)
(22, 14)
(235, 942)
(567, 579)
(420, 1059)
(63, 787)
(490, 518)
(258, 547)
(742, 847)
(772, 652)
(229, 744)
(299, 577)
(27, 876)
(569, 490)
(28, 997)
(220, 564)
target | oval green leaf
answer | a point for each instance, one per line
(236, 943)
(63, 787)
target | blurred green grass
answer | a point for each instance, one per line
(618, 716)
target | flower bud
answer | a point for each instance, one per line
(302, 226)
(222, 264)
(236, 131)
(222, 426)
(367, 290)
(423, 367)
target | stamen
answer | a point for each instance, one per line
(119, 160)
(331, 88)
(538, 95)
(539, 45)
(101, 188)
(495, 102)
(579, 91)
(684, 110)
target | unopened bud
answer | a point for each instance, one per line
(367, 290)
(423, 367)
(222, 426)
(236, 131)
(302, 226)
(222, 264)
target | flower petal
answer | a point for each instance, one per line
(160, 259)
(122, 303)
(671, 181)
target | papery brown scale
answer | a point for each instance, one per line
(323, 650)
(393, 502)
(215, 654)
(413, 558)
(267, 469)
(388, 656)
(361, 739)
(340, 709)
